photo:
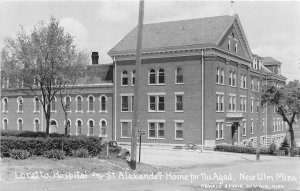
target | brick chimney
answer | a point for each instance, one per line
(95, 58)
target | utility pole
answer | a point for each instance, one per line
(136, 86)
(259, 116)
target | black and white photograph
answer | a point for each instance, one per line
(149, 95)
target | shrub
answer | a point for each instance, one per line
(19, 154)
(272, 148)
(38, 145)
(239, 149)
(55, 153)
(16, 133)
(82, 153)
(285, 143)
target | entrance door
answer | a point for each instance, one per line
(234, 132)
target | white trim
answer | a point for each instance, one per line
(3, 107)
(220, 93)
(155, 77)
(101, 110)
(232, 94)
(126, 120)
(65, 100)
(129, 121)
(179, 93)
(18, 106)
(156, 120)
(88, 125)
(88, 110)
(178, 121)
(156, 130)
(3, 123)
(76, 107)
(54, 111)
(251, 126)
(220, 120)
(19, 123)
(176, 75)
(100, 127)
(175, 129)
(34, 104)
(34, 126)
(122, 76)
(157, 82)
(76, 124)
(126, 94)
(121, 109)
(156, 93)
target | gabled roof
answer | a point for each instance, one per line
(96, 74)
(202, 31)
(270, 61)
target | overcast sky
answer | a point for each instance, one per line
(272, 28)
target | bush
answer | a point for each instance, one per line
(272, 148)
(55, 153)
(19, 154)
(38, 145)
(16, 133)
(285, 143)
(82, 153)
(240, 149)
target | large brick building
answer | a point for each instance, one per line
(199, 80)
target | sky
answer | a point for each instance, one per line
(272, 28)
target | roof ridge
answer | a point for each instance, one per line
(161, 22)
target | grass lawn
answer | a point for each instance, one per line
(13, 170)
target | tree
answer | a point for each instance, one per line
(45, 61)
(287, 103)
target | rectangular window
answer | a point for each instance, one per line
(156, 130)
(179, 131)
(125, 129)
(156, 103)
(179, 103)
(244, 128)
(219, 102)
(161, 103)
(235, 47)
(219, 130)
(251, 85)
(251, 127)
(230, 79)
(263, 125)
(125, 104)
(152, 103)
(252, 102)
(132, 103)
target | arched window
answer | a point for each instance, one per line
(20, 124)
(124, 78)
(103, 103)
(5, 124)
(68, 103)
(91, 127)
(53, 126)
(20, 104)
(179, 76)
(103, 125)
(242, 80)
(234, 79)
(5, 105)
(91, 103)
(161, 76)
(36, 104)
(79, 103)
(245, 81)
(222, 76)
(218, 75)
(79, 126)
(53, 109)
(152, 76)
(36, 125)
(133, 78)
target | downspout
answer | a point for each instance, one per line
(202, 101)
(115, 99)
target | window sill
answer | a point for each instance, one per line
(232, 86)
(219, 111)
(179, 111)
(124, 85)
(219, 139)
(53, 111)
(156, 84)
(103, 136)
(244, 135)
(20, 112)
(126, 111)
(179, 83)
(178, 139)
(36, 112)
(156, 111)
(69, 111)
(100, 111)
(4, 111)
(78, 111)
(90, 111)
(154, 138)
(243, 88)
(125, 137)
(220, 84)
